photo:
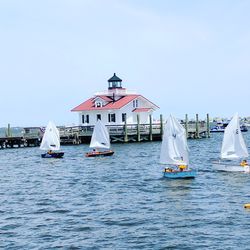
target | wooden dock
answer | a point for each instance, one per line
(32, 136)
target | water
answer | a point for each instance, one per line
(121, 202)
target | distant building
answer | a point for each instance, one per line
(114, 106)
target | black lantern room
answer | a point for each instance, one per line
(115, 82)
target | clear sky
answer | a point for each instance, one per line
(185, 56)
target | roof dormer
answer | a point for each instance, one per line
(99, 102)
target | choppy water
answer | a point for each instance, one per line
(121, 202)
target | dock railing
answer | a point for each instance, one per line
(131, 130)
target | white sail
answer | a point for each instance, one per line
(233, 145)
(174, 148)
(100, 136)
(51, 138)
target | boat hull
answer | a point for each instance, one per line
(53, 155)
(101, 153)
(219, 166)
(180, 174)
(218, 129)
(223, 130)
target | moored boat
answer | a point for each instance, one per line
(221, 126)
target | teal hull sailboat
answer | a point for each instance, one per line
(174, 151)
(180, 175)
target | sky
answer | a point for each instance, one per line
(187, 57)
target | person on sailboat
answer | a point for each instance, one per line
(244, 163)
(168, 170)
(50, 152)
(182, 167)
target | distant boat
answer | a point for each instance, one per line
(220, 127)
(51, 142)
(174, 151)
(100, 140)
(233, 149)
(247, 124)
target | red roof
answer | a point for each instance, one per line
(141, 109)
(90, 104)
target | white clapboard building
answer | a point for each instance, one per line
(114, 106)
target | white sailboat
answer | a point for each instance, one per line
(233, 149)
(51, 142)
(174, 151)
(100, 140)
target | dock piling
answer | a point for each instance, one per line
(186, 125)
(208, 126)
(161, 126)
(138, 128)
(8, 131)
(197, 127)
(125, 129)
(150, 128)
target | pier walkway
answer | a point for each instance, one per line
(32, 136)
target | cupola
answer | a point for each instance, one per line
(115, 82)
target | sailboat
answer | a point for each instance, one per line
(51, 142)
(100, 140)
(233, 149)
(174, 151)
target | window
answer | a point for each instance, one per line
(85, 119)
(124, 117)
(98, 117)
(135, 103)
(111, 117)
(98, 104)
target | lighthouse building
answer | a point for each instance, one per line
(115, 106)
